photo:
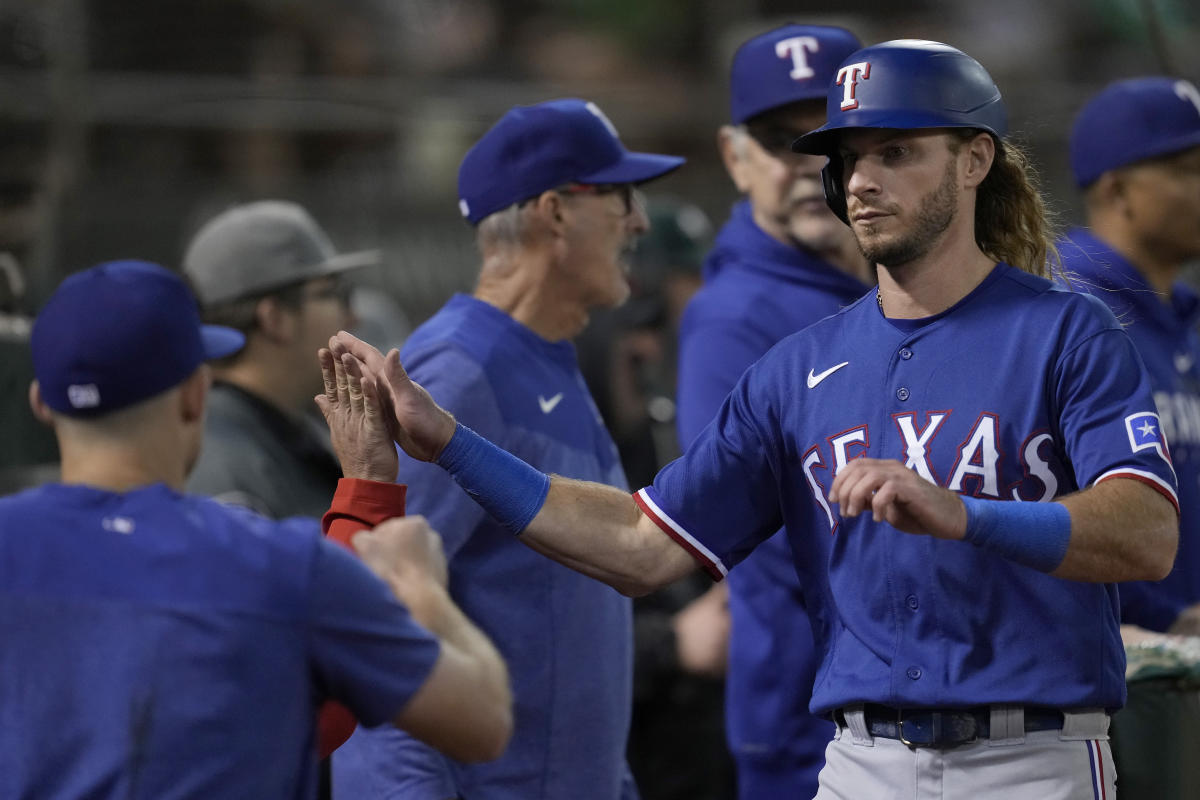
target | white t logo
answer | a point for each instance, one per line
(797, 49)
(1187, 91)
(848, 78)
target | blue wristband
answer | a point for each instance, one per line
(509, 489)
(1033, 534)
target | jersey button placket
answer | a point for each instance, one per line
(914, 673)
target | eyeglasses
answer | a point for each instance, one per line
(630, 197)
(335, 289)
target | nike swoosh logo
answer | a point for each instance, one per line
(548, 405)
(813, 380)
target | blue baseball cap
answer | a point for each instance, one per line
(533, 149)
(785, 65)
(118, 333)
(1133, 120)
(908, 84)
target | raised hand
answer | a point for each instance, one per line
(361, 425)
(422, 427)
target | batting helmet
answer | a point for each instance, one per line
(903, 84)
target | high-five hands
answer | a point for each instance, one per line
(420, 426)
(361, 424)
(895, 494)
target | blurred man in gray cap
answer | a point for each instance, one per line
(268, 270)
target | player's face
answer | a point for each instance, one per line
(784, 188)
(605, 224)
(902, 191)
(1164, 205)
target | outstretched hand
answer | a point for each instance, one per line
(361, 426)
(895, 494)
(419, 425)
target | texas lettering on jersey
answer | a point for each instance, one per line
(978, 468)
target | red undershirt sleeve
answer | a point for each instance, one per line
(357, 505)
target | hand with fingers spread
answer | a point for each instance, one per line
(421, 427)
(361, 425)
(897, 495)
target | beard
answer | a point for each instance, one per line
(937, 211)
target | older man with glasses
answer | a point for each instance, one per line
(550, 191)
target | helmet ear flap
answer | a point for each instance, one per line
(835, 191)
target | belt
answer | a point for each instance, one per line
(924, 727)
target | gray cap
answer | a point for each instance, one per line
(253, 248)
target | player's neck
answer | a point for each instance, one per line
(934, 282)
(122, 468)
(1159, 271)
(533, 302)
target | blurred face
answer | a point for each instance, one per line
(605, 222)
(902, 191)
(784, 188)
(1163, 200)
(323, 308)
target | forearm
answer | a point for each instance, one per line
(598, 530)
(1121, 530)
(465, 708)
(590, 527)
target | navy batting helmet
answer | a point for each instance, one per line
(903, 84)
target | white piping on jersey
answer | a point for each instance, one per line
(1159, 483)
(675, 526)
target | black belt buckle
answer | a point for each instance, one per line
(936, 729)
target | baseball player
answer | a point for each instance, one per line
(781, 262)
(159, 644)
(550, 191)
(957, 457)
(1135, 153)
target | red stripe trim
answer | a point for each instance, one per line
(1100, 767)
(1141, 479)
(666, 528)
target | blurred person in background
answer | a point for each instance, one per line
(268, 270)
(159, 644)
(677, 745)
(550, 192)
(1135, 155)
(781, 262)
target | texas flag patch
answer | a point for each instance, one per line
(1145, 433)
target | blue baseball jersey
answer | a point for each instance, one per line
(756, 292)
(1166, 338)
(1019, 392)
(567, 638)
(161, 645)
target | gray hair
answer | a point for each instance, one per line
(500, 229)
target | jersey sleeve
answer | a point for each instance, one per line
(368, 652)
(1108, 419)
(358, 504)
(721, 498)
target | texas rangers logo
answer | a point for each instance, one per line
(848, 78)
(797, 49)
(1145, 433)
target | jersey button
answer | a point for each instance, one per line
(911, 602)
(905, 353)
(902, 393)
(914, 673)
